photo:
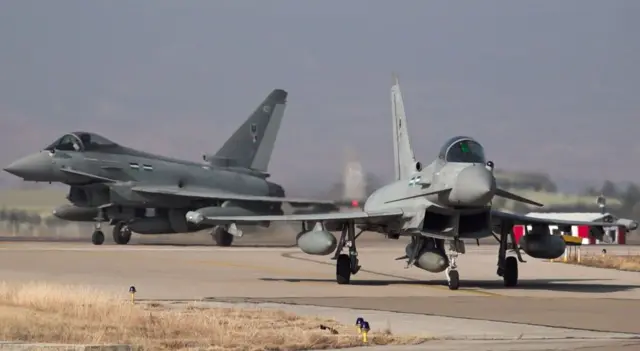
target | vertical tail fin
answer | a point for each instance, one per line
(252, 144)
(404, 160)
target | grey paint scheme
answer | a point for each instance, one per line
(125, 182)
(438, 205)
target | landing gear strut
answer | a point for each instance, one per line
(453, 277)
(221, 236)
(121, 233)
(347, 265)
(97, 238)
(508, 266)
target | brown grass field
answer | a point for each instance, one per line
(40, 312)
(622, 262)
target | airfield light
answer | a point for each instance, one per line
(359, 322)
(132, 292)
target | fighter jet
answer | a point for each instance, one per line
(438, 206)
(146, 193)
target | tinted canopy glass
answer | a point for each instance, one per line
(93, 141)
(462, 149)
(80, 141)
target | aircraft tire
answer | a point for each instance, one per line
(510, 271)
(121, 234)
(343, 269)
(97, 238)
(454, 280)
(222, 237)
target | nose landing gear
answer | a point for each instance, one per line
(97, 238)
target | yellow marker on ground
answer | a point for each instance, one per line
(365, 331)
(132, 291)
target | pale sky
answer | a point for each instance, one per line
(544, 85)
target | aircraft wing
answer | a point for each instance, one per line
(528, 220)
(208, 193)
(359, 217)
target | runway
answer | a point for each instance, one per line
(558, 301)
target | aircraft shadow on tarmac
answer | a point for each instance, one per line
(137, 243)
(212, 245)
(564, 285)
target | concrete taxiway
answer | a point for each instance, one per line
(561, 306)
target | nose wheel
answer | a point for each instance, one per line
(453, 277)
(97, 238)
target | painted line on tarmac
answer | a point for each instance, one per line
(387, 275)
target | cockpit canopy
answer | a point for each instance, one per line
(462, 149)
(81, 141)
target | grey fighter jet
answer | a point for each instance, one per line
(438, 206)
(150, 194)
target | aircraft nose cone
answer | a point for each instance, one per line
(475, 186)
(33, 167)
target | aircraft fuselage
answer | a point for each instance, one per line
(459, 206)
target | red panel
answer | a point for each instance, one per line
(622, 236)
(583, 232)
(518, 232)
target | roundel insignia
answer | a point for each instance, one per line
(266, 108)
(254, 132)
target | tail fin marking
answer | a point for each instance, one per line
(251, 145)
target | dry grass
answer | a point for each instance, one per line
(40, 312)
(622, 262)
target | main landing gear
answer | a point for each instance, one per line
(121, 233)
(508, 266)
(347, 265)
(221, 236)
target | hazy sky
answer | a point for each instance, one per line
(544, 85)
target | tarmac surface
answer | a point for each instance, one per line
(554, 307)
